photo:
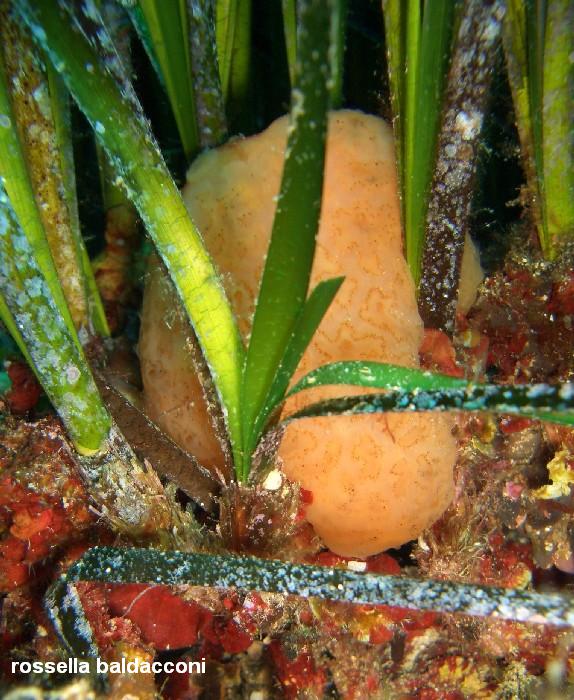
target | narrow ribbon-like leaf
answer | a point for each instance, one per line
(287, 270)
(104, 94)
(168, 31)
(535, 17)
(40, 113)
(14, 173)
(448, 204)
(430, 67)
(113, 266)
(338, 53)
(60, 103)
(233, 34)
(418, 48)
(515, 44)
(155, 567)
(516, 49)
(395, 38)
(309, 319)
(140, 25)
(378, 376)
(558, 120)
(554, 403)
(209, 103)
(57, 358)
(64, 608)
(538, 42)
(289, 8)
(412, 194)
(12, 328)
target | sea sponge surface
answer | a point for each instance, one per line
(377, 481)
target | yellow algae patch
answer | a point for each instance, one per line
(561, 475)
(377, 481)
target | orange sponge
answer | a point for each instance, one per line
(377, 480)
